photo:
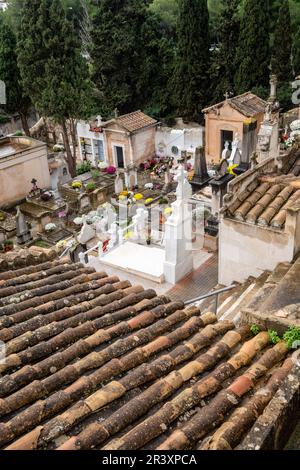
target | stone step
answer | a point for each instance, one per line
(233, 298)
(287, 288)
(208, 305)
(249, 295)
(268, 286)
(233, 310)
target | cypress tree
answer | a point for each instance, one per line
(253, 52)
(229, 28)
(9, 74)
(193, 59)
(296, 53)
(282, 47)
(53, 71)
(116, 52)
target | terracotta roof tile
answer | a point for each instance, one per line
(247, 104)
(135, 121)
(266, 205)
(89, 357)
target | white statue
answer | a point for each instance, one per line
(184, 189)
(113, 231)
(140, 221)
(226, 151)
(87, 232)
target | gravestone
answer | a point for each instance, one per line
(86, 234)
(84, 203)
(118, 184)
(201, 177)
(22, 228)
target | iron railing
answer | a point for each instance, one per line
(214, 293)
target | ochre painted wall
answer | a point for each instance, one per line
(224, 118)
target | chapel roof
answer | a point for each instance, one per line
(247, 104)
(135, 121)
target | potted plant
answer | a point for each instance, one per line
(111, 170)
(90, 187)
(8, 245)
(76, 185)
(50, 227)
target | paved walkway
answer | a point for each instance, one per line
(202, 280)
(198, 283)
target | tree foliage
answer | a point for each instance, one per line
(117, 51)
(53, 71)
(282, 49)
(192, 59)
(225, 53)
(253, 52)
(16, 102)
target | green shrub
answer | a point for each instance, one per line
(84, 167)
(274, 337)
(292, 337)
(255, 329)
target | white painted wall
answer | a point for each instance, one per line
(186, 139)
(83, 131)
(248, 250)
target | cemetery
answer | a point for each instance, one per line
(149, 228)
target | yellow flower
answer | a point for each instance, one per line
(231, 168)
(124, 193)
(122, 198)
(129, 235)
(168, 211)
(150, 199)
(138, 197)
(76, 184)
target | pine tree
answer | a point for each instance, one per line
(282, 49)
(116, 52)
(192, 61)
(53, 71)
(253, 52)
(225, 65)
(16, 102)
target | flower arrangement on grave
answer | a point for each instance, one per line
(124, 193)
(78, 221)
(138, 197)
(8, 245)
(95, 174)
(90, 187)
(168, 211)
(129, 235)
(122, 197)
(50, 227)
(111, 170)
(149, 200)
(231, 169)
(46, 196)
(149, 186)
(103, 166)
(77, 185)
